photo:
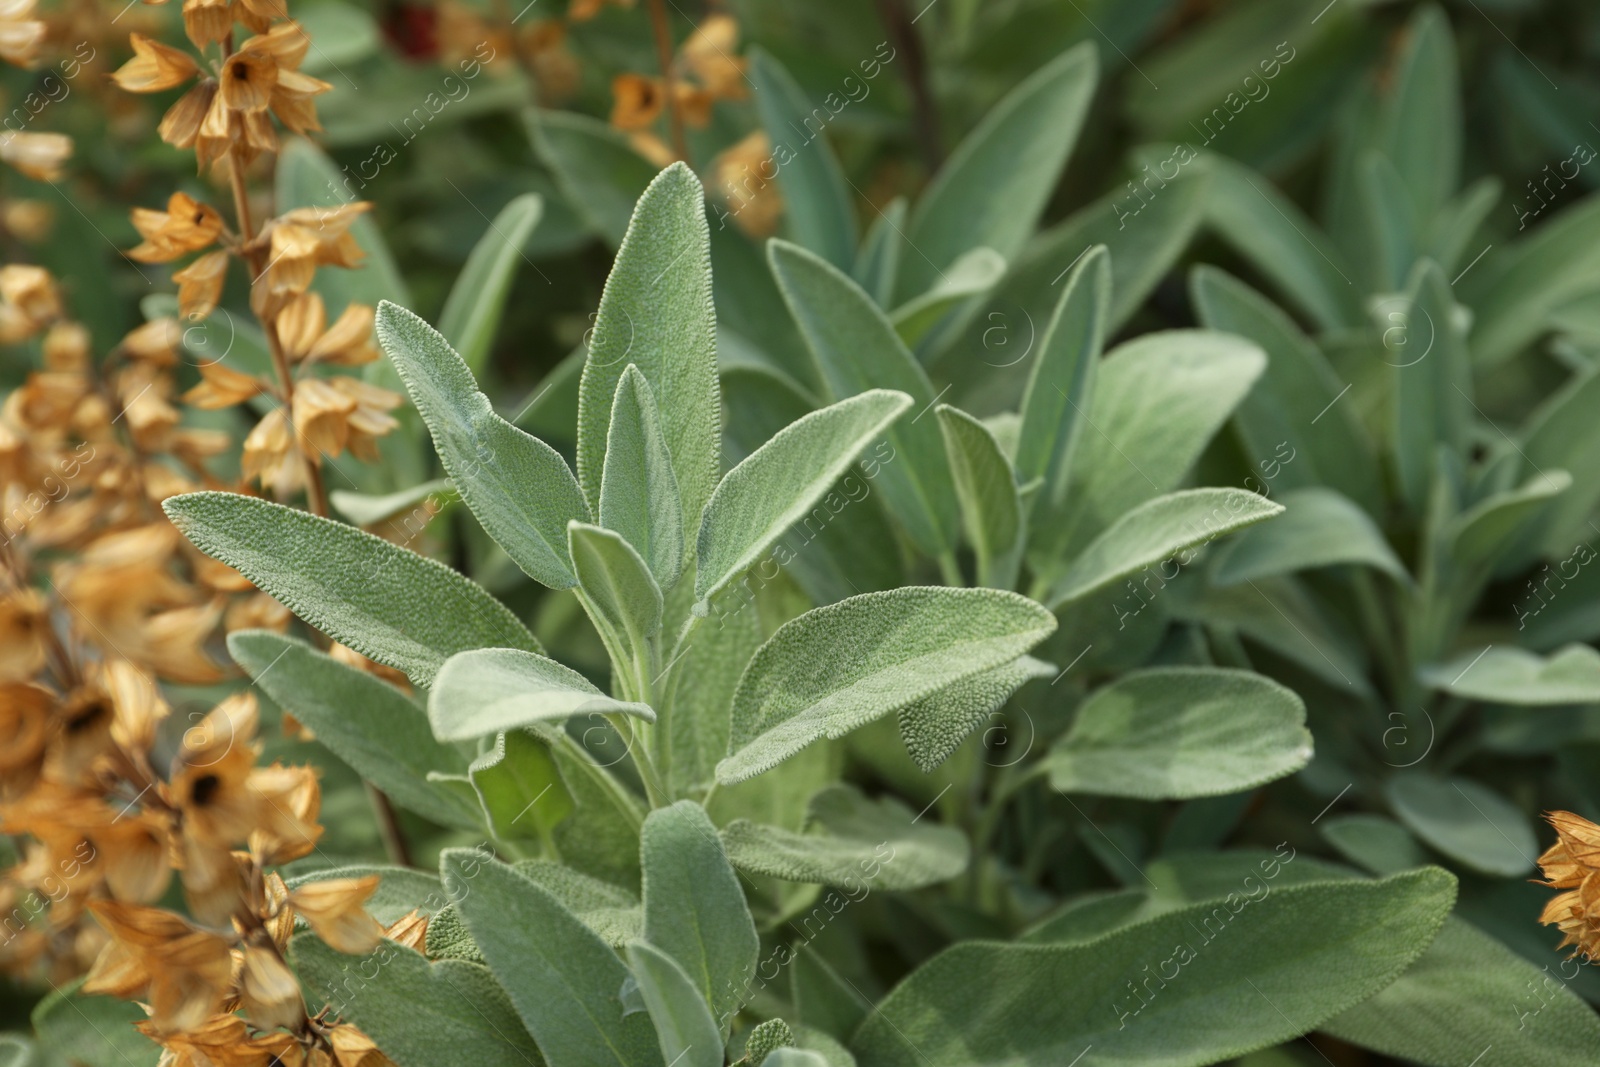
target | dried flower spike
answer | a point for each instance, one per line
(1573, 864)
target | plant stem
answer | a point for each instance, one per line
(394, 842)
(654, 793)
(899, 24)
(662, 29)
(316, 492)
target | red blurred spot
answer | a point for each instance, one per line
(414, 30)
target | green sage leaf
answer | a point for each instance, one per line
(1172, 733)
(780, 482)
(386, 602)
(519, 488)
(839, 667)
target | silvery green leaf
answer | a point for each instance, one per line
(1172, 733)
(363, 509)
(639, 496)
(1466, 821)
(1391, 220)
(990, 366)
(601, 836)
(1479, 536)
(1157, 402)
(622, 599)
(764, 1038)
(780, 482)
(477, 298)
(1156, 531)
(794, 1057)
(519, 786)
(994, 186)
(609, 910)
(822, 1044)
(857, 349)
(840, 667)
(853, 843)
(1279, 614)
(935, 726)
(687, 1033)
(1319, 528)
(991, 509)
(1296, 424)
(519, 488)
(420, 1013)
(971, 275)
(818, 204)
(493, 689)
(656, 314)
(362, 719)
(1419, 124)
(447, 937)
(1056, 403)
(563, 980)
(1469, 993)
(1374, 842)
(877, 262)
(1514, 301)
(1432, 393)
(1562, 434)
(843, 545)
(16, 1051)
(1504, 674)
(386, 602)
(694, 908)
(697, 698)
(1248, 212)
(1267, 973)
(96, 1031)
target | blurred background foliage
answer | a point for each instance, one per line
(1529, 82)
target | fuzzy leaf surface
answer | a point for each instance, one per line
(639, 496)
(656, 314)
(995, 184)
(935, 726)
(694, 908)
(779, 483)
(519, 488)
(1274, 970)
(856, 349)
(362, 719)
(563, 980)
(1156, 531)
(839, 667)
(851, 842)
(493, 689)
(1172, 733)
(684, 1026)
(388, 603)
(420, 1013)
(991, 509)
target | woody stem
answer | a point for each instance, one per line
(663, 35)
(316, 492)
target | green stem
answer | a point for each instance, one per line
(654, 792)
(1386, 642)
(950, 570)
